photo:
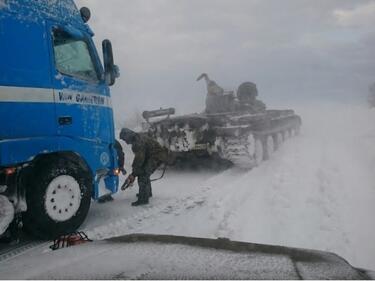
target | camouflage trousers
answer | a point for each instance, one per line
(144, 182)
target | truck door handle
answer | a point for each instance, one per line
(65, 120)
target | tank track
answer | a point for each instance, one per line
(238, 151)
(243, 151)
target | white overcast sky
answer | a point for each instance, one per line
(294, 50)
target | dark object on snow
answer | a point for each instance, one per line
(69, 240)
(148, 156)
(140, 201)
(127, 184)
(105, 198)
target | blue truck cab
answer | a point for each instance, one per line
(57, 136)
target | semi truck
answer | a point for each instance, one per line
(57, 136)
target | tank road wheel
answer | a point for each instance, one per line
(269, 147)
(279, 140)
(58, 198)
(255, 150)
(286, 135)
(258, 152)
(297, 130)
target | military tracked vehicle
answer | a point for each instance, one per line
(241, 130)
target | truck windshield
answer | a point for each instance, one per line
(72, 56)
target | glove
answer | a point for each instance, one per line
(131, 178)
(128, 182)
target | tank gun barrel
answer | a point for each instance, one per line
(157, 113)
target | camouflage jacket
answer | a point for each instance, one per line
(146, 149)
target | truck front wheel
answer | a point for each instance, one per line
(58, 198)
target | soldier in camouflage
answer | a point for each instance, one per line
(148, 156)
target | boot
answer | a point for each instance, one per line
(105, 198)
(150, 195)
(140, 202)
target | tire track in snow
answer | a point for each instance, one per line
(135, 222)
(14, 251)
(255, 189)
(298, 198)
(306, 198)
(271, 208)
(145, 217)
(152, 214)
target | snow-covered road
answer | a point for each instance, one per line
(317, 191)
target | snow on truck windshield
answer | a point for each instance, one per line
(246, 120)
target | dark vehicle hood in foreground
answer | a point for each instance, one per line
(141, 256)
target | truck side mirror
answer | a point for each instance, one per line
(111, 71)
(85, 14)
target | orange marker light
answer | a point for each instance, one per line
(10, 171)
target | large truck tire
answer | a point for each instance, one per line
(58, 198)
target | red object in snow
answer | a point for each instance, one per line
(69, 240)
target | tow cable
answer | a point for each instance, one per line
(162, 175)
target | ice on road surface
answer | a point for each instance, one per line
(317, 191)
